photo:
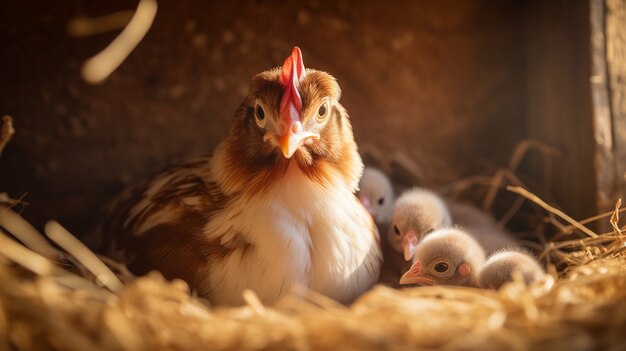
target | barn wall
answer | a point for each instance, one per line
(445, 83)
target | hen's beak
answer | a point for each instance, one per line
(414, 276)
(409, 244)
(293, 136)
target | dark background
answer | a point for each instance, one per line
(453, 85)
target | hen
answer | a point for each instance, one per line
(273, 207)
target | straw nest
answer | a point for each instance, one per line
(65, 297)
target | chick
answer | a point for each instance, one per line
(416, 213)
(482, 226)
(448, 256)
(376, 194)
(500, 266)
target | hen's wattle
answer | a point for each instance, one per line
(272, 208)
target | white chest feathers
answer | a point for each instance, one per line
(299, 233)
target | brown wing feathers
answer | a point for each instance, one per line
(188, 200)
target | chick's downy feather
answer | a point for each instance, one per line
(274, 205)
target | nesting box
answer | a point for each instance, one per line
(452, 88)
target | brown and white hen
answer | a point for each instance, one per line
(273, 207)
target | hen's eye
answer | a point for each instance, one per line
(429, 231)
(396, 229)
(260, 114)
(321, 112)
(441, 267)
(381, 201)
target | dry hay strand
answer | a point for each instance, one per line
(81, 26)
(503, 176)
(99, 67)
(6, 132)
(47, 305)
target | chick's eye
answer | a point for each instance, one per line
(381, 201)
(321, 112)
(429, 231)
(441, 267)
(396, 229)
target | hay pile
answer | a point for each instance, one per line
(67, 299)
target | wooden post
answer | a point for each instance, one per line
(604, 158)
(615, 29)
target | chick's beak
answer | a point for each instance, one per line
(409, 244)
(414, 276)
(367, 204)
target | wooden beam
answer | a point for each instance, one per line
(559, 108)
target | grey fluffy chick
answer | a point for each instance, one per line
(376, 194)
(500, 266)
(448, 256)
(482, 226)
(416, 213)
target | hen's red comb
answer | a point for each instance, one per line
(292, 73)
(293, 62)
